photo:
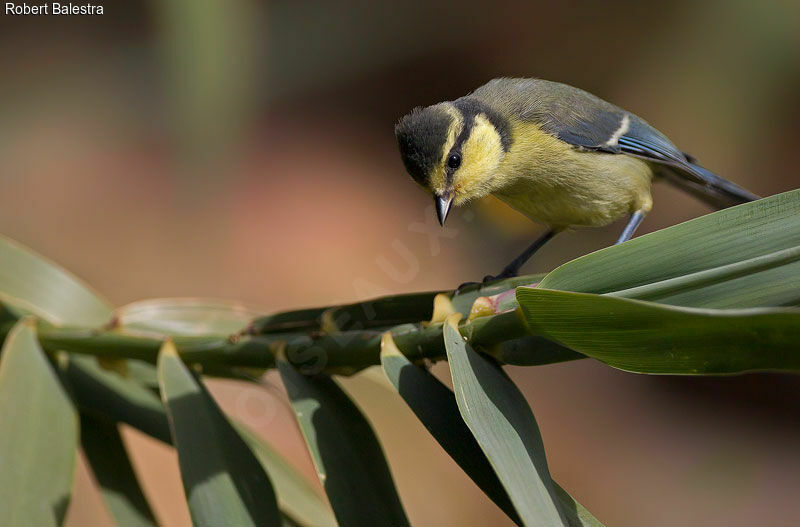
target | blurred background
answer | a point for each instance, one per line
(245, 150)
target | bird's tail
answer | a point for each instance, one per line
(707, 186)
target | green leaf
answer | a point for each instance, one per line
(38, 286)
(8, 317)
(296, 497)
(379, 312)
(435, 406)
(744, 256)
(348, 458)
(108, 394)
(185, 316)
(223, 480)
(531, 351)
(503, 424)
(297, 320)
(39, 434)
(112, 468)
(577, 515)
(143, 373)
(652, 338)
(288, 522)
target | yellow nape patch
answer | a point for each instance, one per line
(482, 154)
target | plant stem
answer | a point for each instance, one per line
(339, 339)
(344, 352)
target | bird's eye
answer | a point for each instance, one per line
(454, 161)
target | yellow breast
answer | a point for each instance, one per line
(553, 183)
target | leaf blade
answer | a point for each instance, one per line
(646, 337)
(435, 406)
(348, 458)
(38, 286)
(185, 316)
(224, 482)
(105, 393)
(504, 426)
(743, 256)
(112, 468)
(113, 397)
(40, 434)
(296, 497)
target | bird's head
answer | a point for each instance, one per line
(453, 150)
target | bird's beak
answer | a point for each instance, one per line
(443, 206)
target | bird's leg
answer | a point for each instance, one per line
(512, 269)
(630, 228)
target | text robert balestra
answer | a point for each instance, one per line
(52, 8)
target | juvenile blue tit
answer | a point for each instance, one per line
(557, 154)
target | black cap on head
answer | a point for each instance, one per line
(421, 136)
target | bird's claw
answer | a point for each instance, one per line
(486, 280)
(463, 286)
(502, 276)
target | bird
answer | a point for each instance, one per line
(559, 155)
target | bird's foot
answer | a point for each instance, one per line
(509, 271)
(494, 278)
(460, 289)
(505, 273)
